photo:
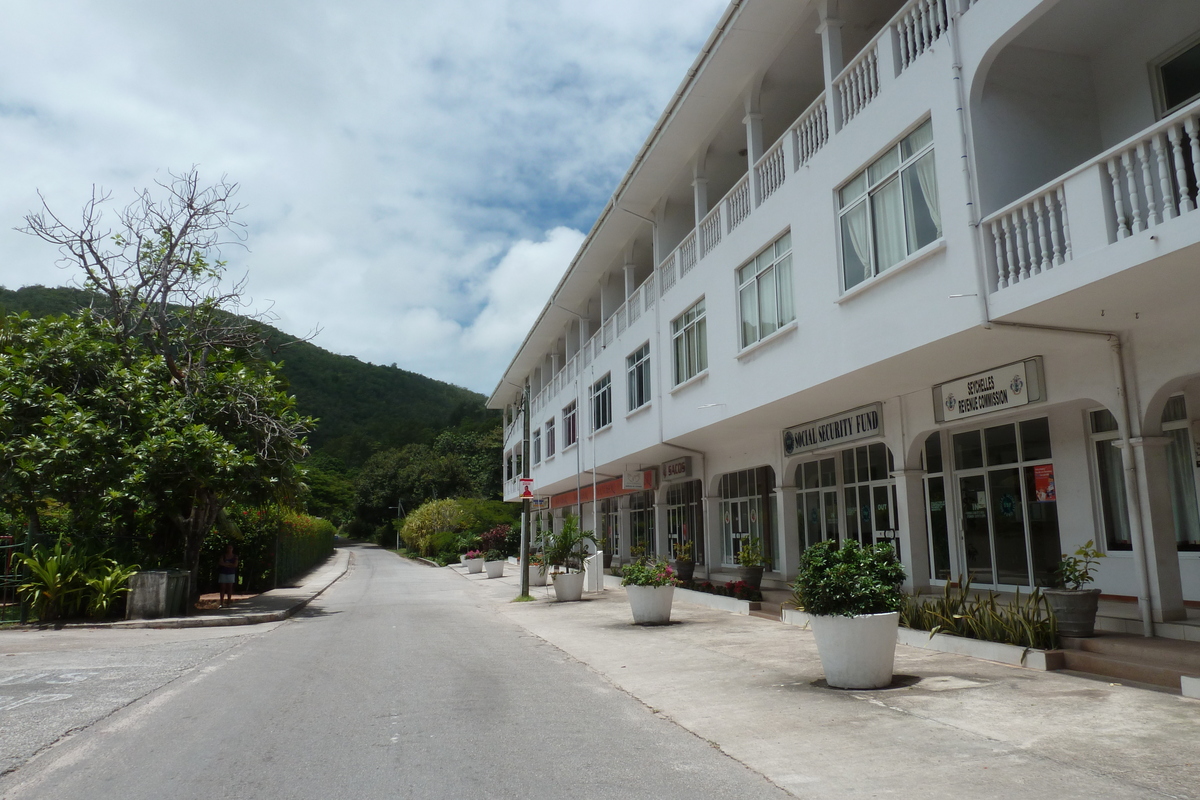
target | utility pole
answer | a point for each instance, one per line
(399, 515)
(525, 459)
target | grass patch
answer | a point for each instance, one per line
(523, 598)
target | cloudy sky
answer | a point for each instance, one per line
(416, 176)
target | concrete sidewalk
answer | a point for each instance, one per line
(272, 606)
(949, 727)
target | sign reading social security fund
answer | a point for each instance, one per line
(849, 426)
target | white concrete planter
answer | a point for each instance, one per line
(857, 652)
(651, 605)
(537, 575)
(568, 586)
(474, 565)
(495, 569)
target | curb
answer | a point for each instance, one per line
(247, 618)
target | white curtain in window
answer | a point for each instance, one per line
(1183, 486)
(927, 177)
(1112, 494)
(857, 262)
(887, 206)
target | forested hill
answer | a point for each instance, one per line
(362, 408)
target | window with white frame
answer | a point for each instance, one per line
(537, 446)
(570, 429)
(690, 342)
(1178, 78)
(1110, 478)
(890, 209)
(637, 366)
(1181, 474)
(550, 443)
(601, 402)
(765, 291)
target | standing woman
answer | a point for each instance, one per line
(227, 575)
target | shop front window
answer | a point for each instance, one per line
(1181, 474)
(745, 511)
(641, 524)
(685, 518)
(1008, 503)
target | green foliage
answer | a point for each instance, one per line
(655, 573)
(683, 551)
(65, 581)
(273, 545)
(493, 555)
(848, 581)
(436, 516)
(1023, 621)
(568, 547)
(498, 539)
(751, 554)
(1075, 571)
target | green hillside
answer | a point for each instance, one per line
(362, 408)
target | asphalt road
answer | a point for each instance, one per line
(398, 682)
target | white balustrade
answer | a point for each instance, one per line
(770, 173)
(687, 254)
(1030, 237)
(633, 305)
(858, 83)
(919, 25)
(811, 131)
(710, 235)
(737, 208)
(666, 271)
(1153, 178)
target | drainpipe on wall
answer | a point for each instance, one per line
(1128, 463)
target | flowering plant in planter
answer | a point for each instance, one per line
(654, 573)
(473, 554)
(493, 555)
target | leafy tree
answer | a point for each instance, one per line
(213, 424)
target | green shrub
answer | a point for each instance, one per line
(848, 581)
(67, 581)
(1023, 621)
(434, 517)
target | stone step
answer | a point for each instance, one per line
(766, 610)
(1179, 655)
(1121, 670)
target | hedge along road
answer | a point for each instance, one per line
(399, 681)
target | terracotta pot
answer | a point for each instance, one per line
(1074, 610)
(751, 575)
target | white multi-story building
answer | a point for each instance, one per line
(925, 271)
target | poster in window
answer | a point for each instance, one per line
(1043, 483)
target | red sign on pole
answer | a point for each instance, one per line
(526, 488)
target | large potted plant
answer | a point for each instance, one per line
(650, 586)
(853, 597)
(1075, 607)
(493, 562)
(536, 569)
(474, 561)
(751, 562)
(685, 566)
(567, 549)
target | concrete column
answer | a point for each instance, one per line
(700, 188)
(630, 279)
(1158, 528)
(788, 546)
(910, 527)
(660, 531)
(832, 60)
(713, 533)
(623, 532)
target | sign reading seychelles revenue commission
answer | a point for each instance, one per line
(860, 423)
(999, 389)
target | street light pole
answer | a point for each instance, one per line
(399, 515)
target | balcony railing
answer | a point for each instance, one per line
(1140, 184)
(811, 131)
(1029, 236)
(919, 26)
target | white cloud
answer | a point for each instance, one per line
(404, 165)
